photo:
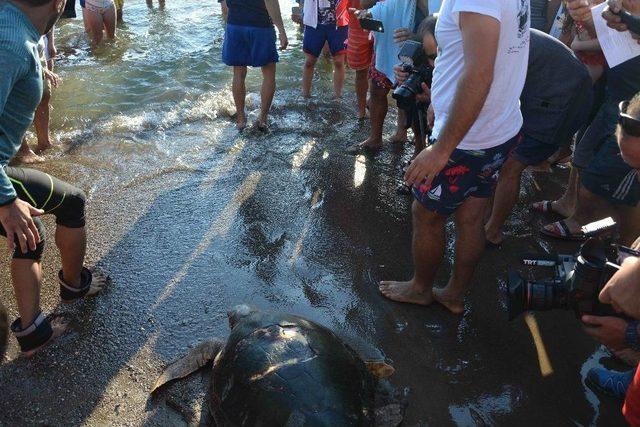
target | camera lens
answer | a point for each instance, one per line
(523, 295)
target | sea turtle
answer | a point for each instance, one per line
(284, 370)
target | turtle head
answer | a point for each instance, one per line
(239, 312)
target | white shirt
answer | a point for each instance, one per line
(500, 118)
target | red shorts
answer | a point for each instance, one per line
(379, 78)
(359, 49)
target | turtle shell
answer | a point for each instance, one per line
(283, 370)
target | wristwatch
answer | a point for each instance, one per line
(631, 335)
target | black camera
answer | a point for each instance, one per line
(415, 62)
(577, 280)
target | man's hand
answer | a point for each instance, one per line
(425, 96)
(426, 166)
(284, 40)
(297, 18)
(580, 10)
(360, 14)
(16, 218)
(614, 21)
(609, 331)
(400, 75)
(431, 117)
(401, 35)
(623, 290)
(53, 78)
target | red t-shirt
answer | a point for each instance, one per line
(631, 408)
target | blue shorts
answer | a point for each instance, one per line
(315, 38)
(531, 152)
(249, 46)
(609, 177)
(468, 174)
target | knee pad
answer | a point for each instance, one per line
(36, 254)
(73, 209)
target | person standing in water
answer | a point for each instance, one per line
(325, 21)
(250, 41)
(26, 194)
(99, 15)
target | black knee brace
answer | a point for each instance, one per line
(36, 254)
(71, 212)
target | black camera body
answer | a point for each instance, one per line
(577, 280)
(415, 62)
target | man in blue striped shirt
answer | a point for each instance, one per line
(26, 194)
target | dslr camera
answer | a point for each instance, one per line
(415, 62)
(577, 280)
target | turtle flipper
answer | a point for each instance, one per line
(379, 369)
(198, 357)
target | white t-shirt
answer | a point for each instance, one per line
(500, 118)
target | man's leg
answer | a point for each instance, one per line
(307, 74)
(110, 22)
(378, 105)
(428, 245)
(362, 87)
(505, 198)
(26, 276)
(267, 93)
(239, 95)
(400, 136)
(589, 207)
(338, 74)
(93, 25)
(470, 242)
(42, 118)
(566, 205)
(72, 243)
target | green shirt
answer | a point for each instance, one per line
(20, 86)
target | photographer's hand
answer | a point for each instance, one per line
(623, 290)
(431, 116)
(580, 10)
(610, 331)
(401, 35)
(360, 14)
(400, 75)
(425, 96)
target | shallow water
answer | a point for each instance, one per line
(190, 218)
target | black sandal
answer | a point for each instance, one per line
(33, 336)
(69, 294)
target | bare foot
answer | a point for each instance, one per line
(98, 282)
(454, 305)
(28, 157)
(44, 145)
(261, 124)
(363, 114)
(369, 146)
(405, 292)
(399, 138)
(559, 208)
(241, 121)
(59, 326)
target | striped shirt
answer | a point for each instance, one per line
(20, 86)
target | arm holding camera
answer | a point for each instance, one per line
(613, 15)
(623, 293)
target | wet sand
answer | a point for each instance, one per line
(189, 218)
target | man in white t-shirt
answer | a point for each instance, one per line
(479, 75)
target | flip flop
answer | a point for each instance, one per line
(360, 148)
(544, 207)
(561, 231)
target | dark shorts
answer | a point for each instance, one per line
(468, 174)
(600, 130)
(609, 177)
(315, 38)
(532, 152)
(55, 197)
(246, 46)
